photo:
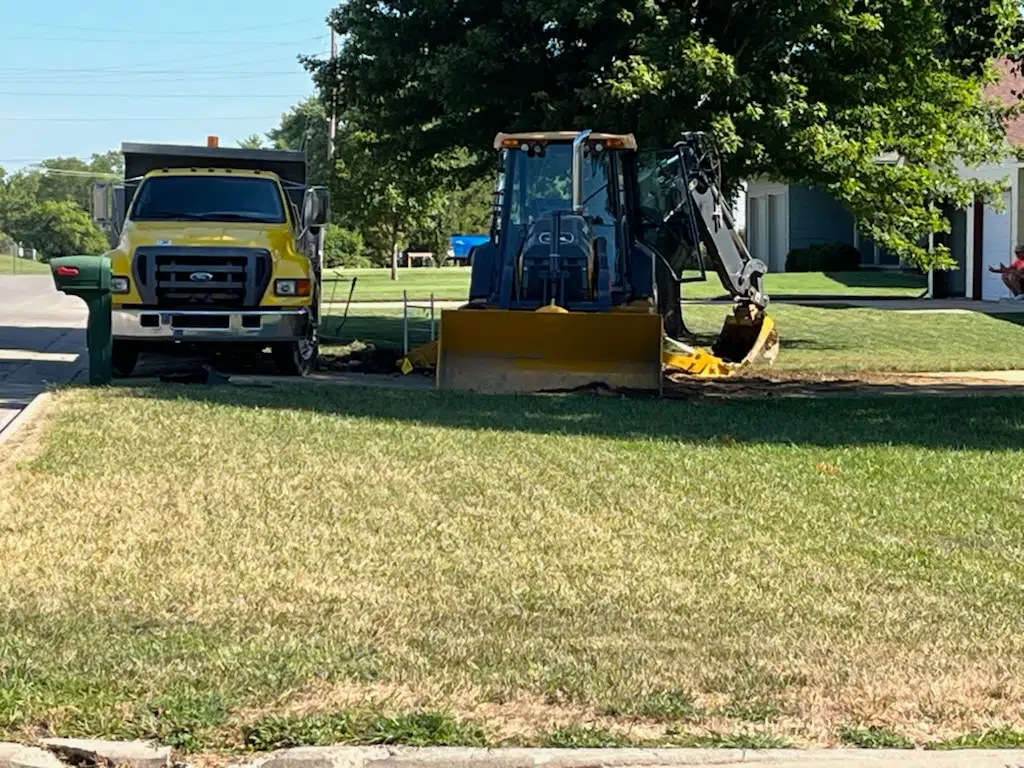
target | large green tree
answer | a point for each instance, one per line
(378, 195)
(807, 90)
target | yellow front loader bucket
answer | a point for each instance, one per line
(507, 351)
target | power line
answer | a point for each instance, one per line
(192, 119)
(132, 41)
(122, 70)
(111, 79)
(172, 33)
(109, 95)
(61, 172)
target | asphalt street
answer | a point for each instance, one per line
(42, 340)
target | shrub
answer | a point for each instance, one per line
(344, 248)
(824, 257)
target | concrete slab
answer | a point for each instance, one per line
(42, 341)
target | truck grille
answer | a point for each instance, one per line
(201, 278)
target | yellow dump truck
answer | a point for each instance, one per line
(214, 246)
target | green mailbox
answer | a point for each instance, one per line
(88, 277)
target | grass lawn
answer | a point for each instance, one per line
(12, 265)
(827, 340)
(253, 568)
(377, 285)
(452, 283)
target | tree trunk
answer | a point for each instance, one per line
(394, 252)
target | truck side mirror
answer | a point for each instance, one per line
(324, 199)
(101, 204)
(315, 210)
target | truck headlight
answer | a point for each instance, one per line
(120, 285)
(291, 287)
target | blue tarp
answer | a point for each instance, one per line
(463, 244)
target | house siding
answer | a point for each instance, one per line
(821, 219)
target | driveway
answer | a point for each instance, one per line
(42, 340)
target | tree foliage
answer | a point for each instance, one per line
(344, 248)
(305, 127)
(49, 211)
(812, 91)
(70, 179)
(252, 141)
(62, 228)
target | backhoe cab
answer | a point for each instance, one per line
(588, 244)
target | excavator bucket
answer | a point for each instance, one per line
(749, 337)
(511, 351)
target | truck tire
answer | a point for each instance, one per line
(296, 358)
(124, 356)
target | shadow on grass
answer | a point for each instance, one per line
(1016, 318)
(960, 423)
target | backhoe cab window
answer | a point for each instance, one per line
(209, 198)
(543, 183)
(668, 223)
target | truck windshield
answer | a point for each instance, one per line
(209, 198)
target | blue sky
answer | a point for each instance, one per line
(82, 77)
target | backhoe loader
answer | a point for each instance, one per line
(590, 239)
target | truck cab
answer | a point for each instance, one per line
(214, 246)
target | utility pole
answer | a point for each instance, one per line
(334, 112)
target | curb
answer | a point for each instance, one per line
(456, 757)
(140, 754)
(25, 415)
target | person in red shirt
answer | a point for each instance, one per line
(1013, 275)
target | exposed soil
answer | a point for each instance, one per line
(362, 359)
(810, 384)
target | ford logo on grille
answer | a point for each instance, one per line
(200, 277)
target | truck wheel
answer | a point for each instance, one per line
(296, 358)
(125, 356)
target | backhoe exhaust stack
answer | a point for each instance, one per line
(577, 170)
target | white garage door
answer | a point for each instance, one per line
(997, 248)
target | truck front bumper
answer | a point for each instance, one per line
(224, 326)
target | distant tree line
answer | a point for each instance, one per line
(46, 206)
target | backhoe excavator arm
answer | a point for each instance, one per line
(748, 335)
(741, 274)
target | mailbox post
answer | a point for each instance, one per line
(88, 277)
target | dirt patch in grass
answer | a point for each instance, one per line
(763, 383)
(360, 358)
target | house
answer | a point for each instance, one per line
(782, 217)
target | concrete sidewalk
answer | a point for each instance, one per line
(58, 753)
(42, 341)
